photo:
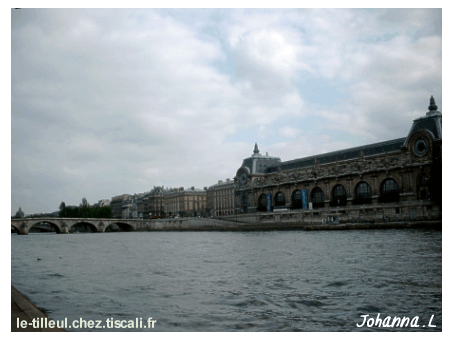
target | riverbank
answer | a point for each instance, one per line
(23, 310)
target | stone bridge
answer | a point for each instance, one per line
(64, 225)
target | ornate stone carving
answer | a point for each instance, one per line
(362, 156)
(386, 160)
(356, 167)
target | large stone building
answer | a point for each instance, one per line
(154, 202)
(160, 202)
(221, 199)
(185, 203)
(116, 205)
(386, 179)
(129, 208)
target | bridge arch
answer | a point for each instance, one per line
(55, 226)
(14, 229)
(125, 226)
(122, 227)
(74, 227)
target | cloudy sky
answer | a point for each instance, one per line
(106, 102)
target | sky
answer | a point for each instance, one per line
(112, 101)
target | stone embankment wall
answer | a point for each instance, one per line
(298, 226)
(399, 214)
(410, 211)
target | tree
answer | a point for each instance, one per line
(62, 209)
(84, 207)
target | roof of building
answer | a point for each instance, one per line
(431, 122)
(340, 155)
(221, 184)
(258, 163)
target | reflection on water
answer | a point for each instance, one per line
(232, 281)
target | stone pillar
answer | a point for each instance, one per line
(63, 227)
(23, 229)
(349, 192)
(327, 193)
(375, 191)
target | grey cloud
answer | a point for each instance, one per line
(112, 101)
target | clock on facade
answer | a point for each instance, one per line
(243, 179)
(421, 147)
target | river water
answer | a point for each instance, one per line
(233, 281)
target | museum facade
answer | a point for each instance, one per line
(390, 179)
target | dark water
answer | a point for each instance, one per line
(231, 281)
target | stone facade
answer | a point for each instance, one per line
(132, 206)
(185, 203)
(221, 198)
(129, 208)
(379, 179)
(141, 205)
(102, 203)
(116, 205)
(154, 202)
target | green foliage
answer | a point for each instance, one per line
(85, 211)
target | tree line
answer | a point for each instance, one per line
(84, 210)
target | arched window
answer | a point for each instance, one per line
(363, 194)
(318, 198)
(339, 196)
(262, 203)
(279, 199)
(389, 191)
(423, 188)
(297, 200)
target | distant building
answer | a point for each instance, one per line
(185, 203)
(153, 202)
(221, 198)
(19, 213)
(130, 206)
(103, 203)
(140, 205)
(116, 205)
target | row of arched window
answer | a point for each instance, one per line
(389, 192)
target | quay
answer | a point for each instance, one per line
(281, 221)
(435, 225)
(24, 310)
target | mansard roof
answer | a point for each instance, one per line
(340, 155)
(258, 163)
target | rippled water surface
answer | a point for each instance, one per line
(232, 281)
